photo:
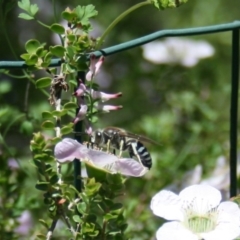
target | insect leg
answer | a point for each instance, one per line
(121, 148)
(108, 145)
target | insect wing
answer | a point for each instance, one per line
(125, 133)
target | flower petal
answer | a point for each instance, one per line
(204, 197)
(167, 204)
(228, 225)
(174, 231)
(229, 211)
(101, 159)
(130, 167)
(68, 149)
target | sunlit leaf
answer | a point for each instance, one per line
(69, 16)
(65, 130)
(57, 28)
(26, 128)
(70, 105)
(84, 13)
(57, 50)
(32, 45)
(5, 86)
(43, 82)
(25, 16)
(47, 115)
(32, 60)
(48, 125)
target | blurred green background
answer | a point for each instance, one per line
(186, 110)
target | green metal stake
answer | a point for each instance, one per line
(78, 129)
(234, 113)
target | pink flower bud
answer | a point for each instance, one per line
(80, 90)
(81, 114)
(104, 96)
(94, 67)
(108, 108)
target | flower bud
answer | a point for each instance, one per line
(104, 96)
(81, 113)
(108, 108)
(94, 67)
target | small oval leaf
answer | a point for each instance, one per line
(70, 105)
(48, 125)
(25, 56)
(32, 60)
(43, 186)
(47, 115)
(43, 82)
(59, 113)
(57, 28)
(57, 50)
(65, 130)
(69, 16)
(32, 45)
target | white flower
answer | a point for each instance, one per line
(177, 51)
(196, 213)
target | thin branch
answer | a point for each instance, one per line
(26, 98)
(51, 229)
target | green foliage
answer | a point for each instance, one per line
(163, 4)
(184, 109)
(57, 28)
(31, 9)
(43, 82)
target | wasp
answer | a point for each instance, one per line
(119, 139)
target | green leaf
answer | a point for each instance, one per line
(25, 56)
(57, 50)
(84, 13)
(25, 16)
(73, 83)
(43, 186)
(33, 9)
(54, 179)
(110, 216)
(40, 52)
(65, 130)
(48, 125)
(5, 86)
(24, 4)
(70, 52)
(57, 28)
(41, 236)
(48, 57)
(32, 60)
(59, 113)
(55, 140)
(71, 37)
(77, 219)
(81, 207)
(69, 16)
(32, 45)
(47, 115)
(43, 82)
(26, 128)
(44, 223)
(70, 105)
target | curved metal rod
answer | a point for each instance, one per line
(139, 41)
